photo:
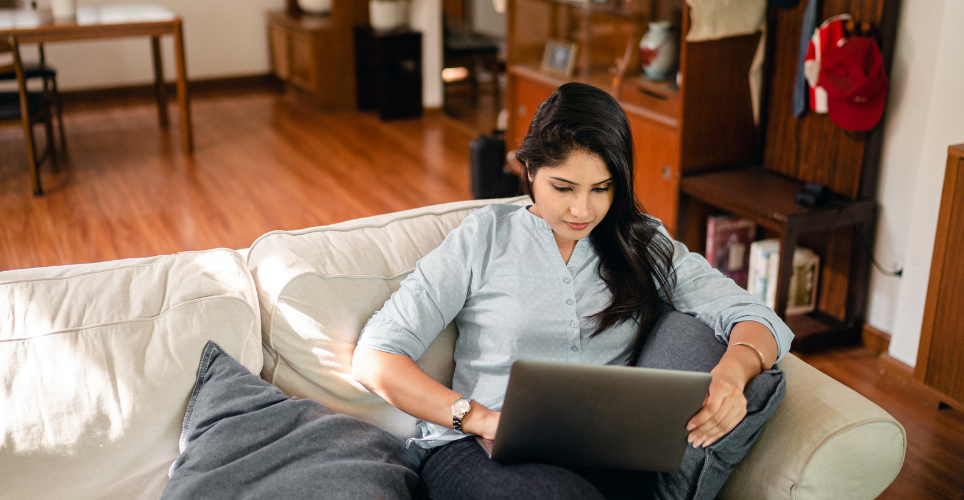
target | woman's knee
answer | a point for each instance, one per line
(679, 341)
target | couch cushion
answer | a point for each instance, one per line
(317, 288)
(97, 363)
(244, 439)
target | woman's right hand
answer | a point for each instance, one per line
(481, 421)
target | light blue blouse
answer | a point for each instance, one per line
(501, 278)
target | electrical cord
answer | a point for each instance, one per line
(866, 246)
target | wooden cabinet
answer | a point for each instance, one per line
(705, 123)
(940, 359)
(528, 94)
(314, 54)
(657, 167)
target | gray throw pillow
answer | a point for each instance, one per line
(682, 342)
(244, 439)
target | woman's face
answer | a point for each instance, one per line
(574, 196)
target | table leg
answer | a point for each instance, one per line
(160, 91)
(187, 137)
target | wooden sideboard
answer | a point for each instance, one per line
(314, 54)
(940, 359)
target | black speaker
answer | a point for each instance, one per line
(489, 178)
(389, 71)
(813, 195)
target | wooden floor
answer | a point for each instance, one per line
(264, 162)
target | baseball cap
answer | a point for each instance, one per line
(855, 82)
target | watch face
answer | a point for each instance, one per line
(462, 406)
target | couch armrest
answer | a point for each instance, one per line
(824, 441)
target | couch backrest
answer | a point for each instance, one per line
(98, 361)
(317, 288)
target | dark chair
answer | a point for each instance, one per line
(463, 48)
(26, 108)
(39, 69)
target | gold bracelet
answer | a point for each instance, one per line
(763, 362)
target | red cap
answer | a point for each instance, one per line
(853, 76)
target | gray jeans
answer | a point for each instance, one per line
(462, 470)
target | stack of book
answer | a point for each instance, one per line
(728, 241)
(765, 264)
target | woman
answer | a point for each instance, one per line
(579, 276)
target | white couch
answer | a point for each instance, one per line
(98, 361)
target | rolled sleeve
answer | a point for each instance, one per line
(718, 301)
(430, 297)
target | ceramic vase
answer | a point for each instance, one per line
(658, 51)
(315, 6)
(63, 9)
(387, 15)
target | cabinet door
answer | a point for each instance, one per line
(280, 52)
(529, 95)
(657, 167)
(303, 65)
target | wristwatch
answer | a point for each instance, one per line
(460, 408)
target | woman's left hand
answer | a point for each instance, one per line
(723, 408)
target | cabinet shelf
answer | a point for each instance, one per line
(768, 199)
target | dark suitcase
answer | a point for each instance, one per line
(489, 178)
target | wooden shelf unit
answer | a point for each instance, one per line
(768, 199)
(705, 123)
(685, 137)
(797, 150)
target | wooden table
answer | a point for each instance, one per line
(113, 21)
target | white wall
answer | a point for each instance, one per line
(925, 114)
(221, 39)
(426, 16)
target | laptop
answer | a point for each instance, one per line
(613, 417)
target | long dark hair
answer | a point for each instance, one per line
(636, 260)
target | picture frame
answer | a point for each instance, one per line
(559, 58)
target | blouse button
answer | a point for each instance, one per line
(569, 302)
(574, 349)
(566, 280)
(572, 323)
